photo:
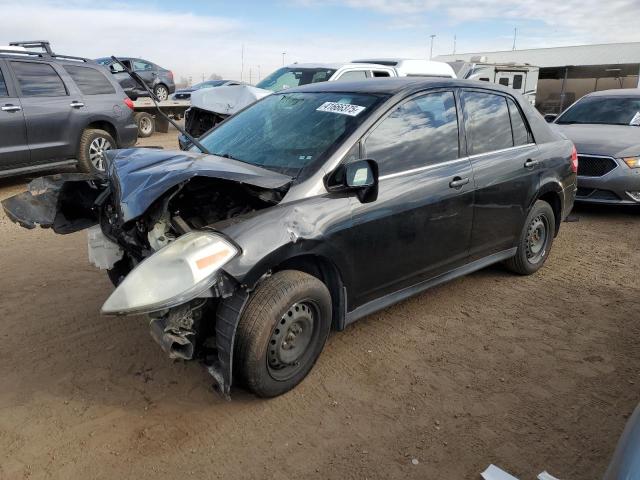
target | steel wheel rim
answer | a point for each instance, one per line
(291, 339)
(537, 236)
(145, 125)
(97, 148)
(162, 93)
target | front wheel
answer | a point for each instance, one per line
(282, 331)
(535, 240)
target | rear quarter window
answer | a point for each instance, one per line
(487, 122)
(89, 80)
(3, 86)
(521, 135)
(38, 80)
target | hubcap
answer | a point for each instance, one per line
(96, 152)
(537, 239)
(162, 93)
(145, 125)
(290, 340)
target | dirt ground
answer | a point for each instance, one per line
(530, 373)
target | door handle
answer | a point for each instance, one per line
(11, 108)
(76, 104)
(531, 163)
(458, 182)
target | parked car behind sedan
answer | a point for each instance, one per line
(605, 127)
(158, 79)
(312, 208)
(185, 93)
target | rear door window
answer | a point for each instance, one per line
(89, 80)
(38, 80)
(420, 132)
(521, 135)
(141, 66)
(353, 75)
(487, 122)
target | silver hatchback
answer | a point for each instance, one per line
(605, 128)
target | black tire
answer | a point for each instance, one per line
(161, 92)
(89, 159)
(535, 240)
(146, 124)
(268, 359)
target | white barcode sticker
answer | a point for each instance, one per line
(635, 121)
(341, 108)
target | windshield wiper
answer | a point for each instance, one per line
(139, 80)
(227, 155)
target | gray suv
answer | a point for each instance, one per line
(58, 110)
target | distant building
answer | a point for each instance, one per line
(568, 73)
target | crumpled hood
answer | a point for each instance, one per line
(611, 140)
(227, 99)
(141, 175)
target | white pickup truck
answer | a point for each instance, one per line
(210, 106)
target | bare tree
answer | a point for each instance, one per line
(215, 76)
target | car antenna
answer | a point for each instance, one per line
(139, 80)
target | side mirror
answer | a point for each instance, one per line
(360, 176)
(550, 117)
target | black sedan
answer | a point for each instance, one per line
(310, 209)
(185, 93)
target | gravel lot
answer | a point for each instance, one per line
(529, 373)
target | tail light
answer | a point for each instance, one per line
(128, 102)
(574, 160)
(170, 74)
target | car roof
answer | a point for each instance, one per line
(396, 85)
(617, 92)
(334, 65)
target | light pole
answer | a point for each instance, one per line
(431, 49)
(515, 36)
(283, 54)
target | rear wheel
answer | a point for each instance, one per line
(535, 240)
(161, 92)
(282, 332)
(93, 143)
(146, 124)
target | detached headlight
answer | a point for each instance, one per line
(173, 275)
(632, 162)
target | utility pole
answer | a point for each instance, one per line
(242, 63)
(431, 49)
(259, 77)
(515, 36)
(454, 44)
(250, 76)
(283, 54)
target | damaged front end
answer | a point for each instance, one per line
(155, 222)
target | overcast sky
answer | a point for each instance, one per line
(196, 38)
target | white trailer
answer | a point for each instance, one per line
(519, 76)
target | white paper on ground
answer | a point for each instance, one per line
(546, 476)
(494, 473)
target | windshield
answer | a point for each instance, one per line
(289, 77)
(604, 110)
(287, 132)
